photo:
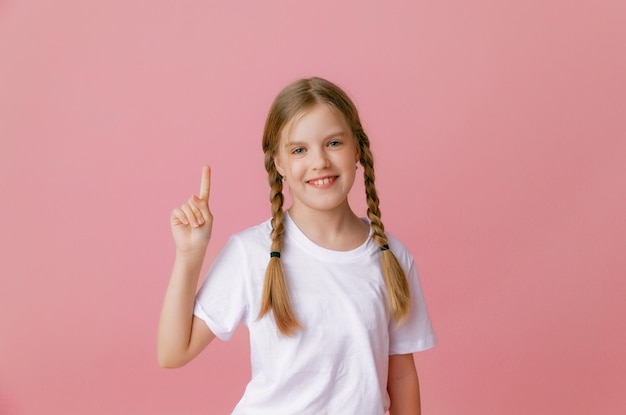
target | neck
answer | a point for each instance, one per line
(337, 229)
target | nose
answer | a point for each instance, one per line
(320, 160)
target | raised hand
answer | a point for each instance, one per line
(192, 222)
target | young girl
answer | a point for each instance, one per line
(333, 304)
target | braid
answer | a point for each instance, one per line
(395, 280)
(373, 211)
(276, 200)
(275, 293)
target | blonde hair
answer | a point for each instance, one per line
(291, 102)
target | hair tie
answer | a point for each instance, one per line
(384, 248)
(274, 254)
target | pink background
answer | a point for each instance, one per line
(500, 139)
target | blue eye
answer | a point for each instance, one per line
(298, 150)
(334, 143)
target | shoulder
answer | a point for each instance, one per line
(244, 251)
(254, 237)
(399, 249)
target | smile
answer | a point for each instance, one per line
(322, 181)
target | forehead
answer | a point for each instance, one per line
(314, 122)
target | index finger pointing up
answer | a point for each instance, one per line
(205, 184)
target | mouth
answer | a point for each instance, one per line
(322, 181)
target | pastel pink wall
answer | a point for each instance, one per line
(500, 136)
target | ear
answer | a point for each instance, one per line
(279, 167)
(357, 150)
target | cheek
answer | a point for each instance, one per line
(296, 168)
(351, 167)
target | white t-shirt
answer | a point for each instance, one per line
(338, 363)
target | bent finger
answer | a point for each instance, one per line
(179, 215)
(191, 216)
(198, 207)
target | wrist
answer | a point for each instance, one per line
(192, 255)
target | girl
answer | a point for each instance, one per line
(333, 304)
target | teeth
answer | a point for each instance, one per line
(321, 182)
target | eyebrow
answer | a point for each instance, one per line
(299, 143)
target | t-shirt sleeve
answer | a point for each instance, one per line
(416, 333)
(221, 300)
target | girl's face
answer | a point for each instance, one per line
(317, 157)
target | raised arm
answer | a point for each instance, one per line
(181, 335)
